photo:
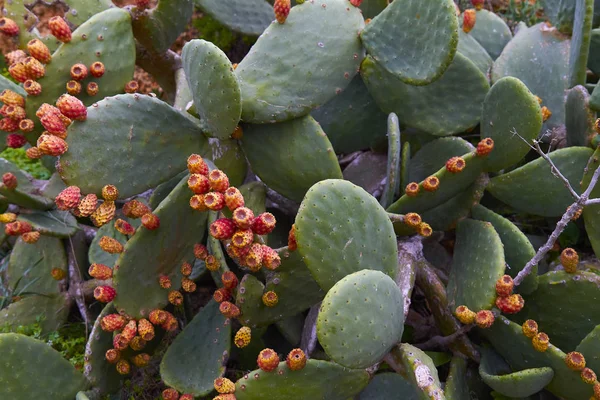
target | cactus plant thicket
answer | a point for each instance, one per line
(382, 200)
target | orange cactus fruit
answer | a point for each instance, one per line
(9, 27)
(39, 51)
(242, 238)
(60, 29)
(7, 218)
(229, 309)
(484, 319)
(431, 183)
(170, 323)
(157, 317)
(220, 295)
(164, 281)
(271, 260)
(292, 244)
(137, 343)
(413, 220)
(219, 182)
(97, 69)
(268, 360)
(74, 108)
(224, 385)
(104, 294)
(54, 124)
(469, 19)
(412, 189)
(9, 180)
(243, 337)
(25, 126)
(264, 223)
(87, 205)
(197, 202)
(254, 258)
(296, 360)
(424, 229)
(485, 147)
(135, 209)
(540, 342)
(8, 125)
(170, 394)
(188, 285)
(229, 280)
(110, 192)
(175, 297)
(73, 87)
(465, 315)
(186, 269)
(282, 8)
(130, 331)
(124, 227)
(15, 56)
(569, 259)
(504, 286)
(35, 69)
(92, 89)
(233, 198)
(32, 87)
(100, 271)
(455, 165)
(112, 355)
(123, 367)
(17, 228)
(530, 328)
(243, 217)
(575, 361)
(113, 322)
(132, 87)
(222, 229)
(197, 165)
(151, 221)
(214, 201)
(212, 264)
(145, 329)
(8, 97)
(110, 245)
(79, 72)
(33, 153)
(58, 274)
(546, 113)
(510, 304)
(588, 376)
(141, 360)
(68, 198)
(198, 183)
(18, 72)
(200, 251)
(16, 113)
(270, 299)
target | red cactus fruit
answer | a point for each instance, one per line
(292, 244)
(233, 198)
(271, 260)
(110, 245)
(31, 238)
(8, 125)
(469, 18)
(9, 27)
(141, 360)
(478, 4)
(222, 229)
(35, 69)
(170, 323)
(356, 3)
(131, 87)
(511, 304)
(214, 201)
(540, 342)
(485, 147)
(11, 98)
(150, 221)
(17, 228)
(588, 376)
(504, 286)
(60, 29)
(164, 281)
(264, 223)
(130, 331)
(198, 183)
(68, 198)
(243, 217)
(15, 141)
(9, 180)
(296, 360)
(224, 385)
(175, 298)
(73, 87)
(145, 329)
(530, 328)
(455, 164)
(104, 294)
(484, 319)
(135, 209)
(53, 123)
(72, 107)
(229, 310)
(424, 229)
(218, 180)
(113, 322)
(464, 315)
(87, 205)
(575, 361)
(200, 251)
(39, 51)
(270, 299)
(597, 390)
(92, 89)
(104, 213)
(188, 285)
(230, 281)
(281, 8)
(158, 317)
(137, 343)
(186, 269)
(97, 69)
(100, 271)
(220, 295)
(124, 227)
(212, 264)
(569, 259)
(18, 72)
(196, 165)
(170, 394)
(242, 238)
(112, 355)
(267, 360)
(412, 189)
(123, 367)
(26, 125)
(242, 337)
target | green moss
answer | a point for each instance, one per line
(18, 157)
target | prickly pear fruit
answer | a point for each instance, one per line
(588, 376)
(131, 87)
(123, 367)
(135, 209)
(170, 394)
(9, 180)
(124, 227)
(9, 27)
(137, 343)
(271, 259)
(510, 304)
(264, 223)
(200, 251)
(33, 153)
(268, 360)
(145, 329)
(113, 322)
(31, 237)
(212, 264)
(220, 295)
(87, 205)
(35, 69)
(484, 319)
(540, 342)
(230, 280)
(73, 87)
(164, 281)
(242, 337)
(569, 259)
(296, 360)
(431, 183)
(292, 244)
(104, 294)
(39, 51)
(455, 164)
(530, 328)
(196, 165)
(92, 89)
(478, 4)
(110, 245)
(150, 221)
(60, 29)
(100, 271)
(412, 189)
(58, 274)
(281, 8)
(222, 229)
(219, 182)
(15, 141)
(68, 198)
(198, 183)
(188, 285)
(214, 201)
(229, 310)
(175, 297)
(112, 355)
(469, 18)
(18, 72)
(26, 125)
(270, 299)
(485, 147)
(158, 317)
(97, 69)
(424, 229)
(186, 269)
(464, 315)
(141, 360)
(413, 220)
(7, 218)
(11, 98)
(73, 108)
(575, 361)
(233, 198)
(32, 87)
(243, 217)
(224, 385)
(504, 286)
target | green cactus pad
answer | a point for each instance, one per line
(538, 56)
(206, 338)
(361, 319)
(27, 194)
(579, 119)
(389, 385)
(82, 10)
(150, 253)
(295, 287)
(158, 28)
(433, 156)
(372, 8)
(160, 193)
(591, 212)
(6, 83)
(517, 248)
(98, 256)
(30, 265)
(105, 37)
(392, 184)
(496, 373)
(314, 381)
(491, 32)
(569, 294)
(580, 42)
(57, 223)
(183, 95)
(449, 105)
(229, 157)
(509, 109)
(594, 55)
(97, 370)
(352, 120)
(590, 349)
(214, 87)
(533, 188)
(26, 20)
(457, 387)
(130, 129)
(420, 371)
(398, 29)
(594, 102)
(450, 185)
(508, 340)
(341, 229)
(470, 48)
(290, 156)
(279, 82)
(478, 263)
(52, 312)
(33, 370)
(249, 17)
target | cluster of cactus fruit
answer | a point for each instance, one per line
(266, 229)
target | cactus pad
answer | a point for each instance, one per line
(98, 256)
(27, 194)
(130, 129)
(227, 155)
(6, 83)
(361, 319)
(389, 385)
(341, 229)
(496, 373)
(491, 32)
(470, 48)
(591, 212)
(533, 188)
(509, 109)
(52, 223)
(314, 381)
(579, 119)
(279, 83)
(158, 28)
(420, 370)
(478, 263)
(31, 369)
(589, 347)
(295, 287)
(433, 156)
(594, 56)
(580, 42)
(150, 253)
(208, 338)
(299, 148)
(214, 87)
(249, 17)
(53, 311)
(449, 105)
(398, 29)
